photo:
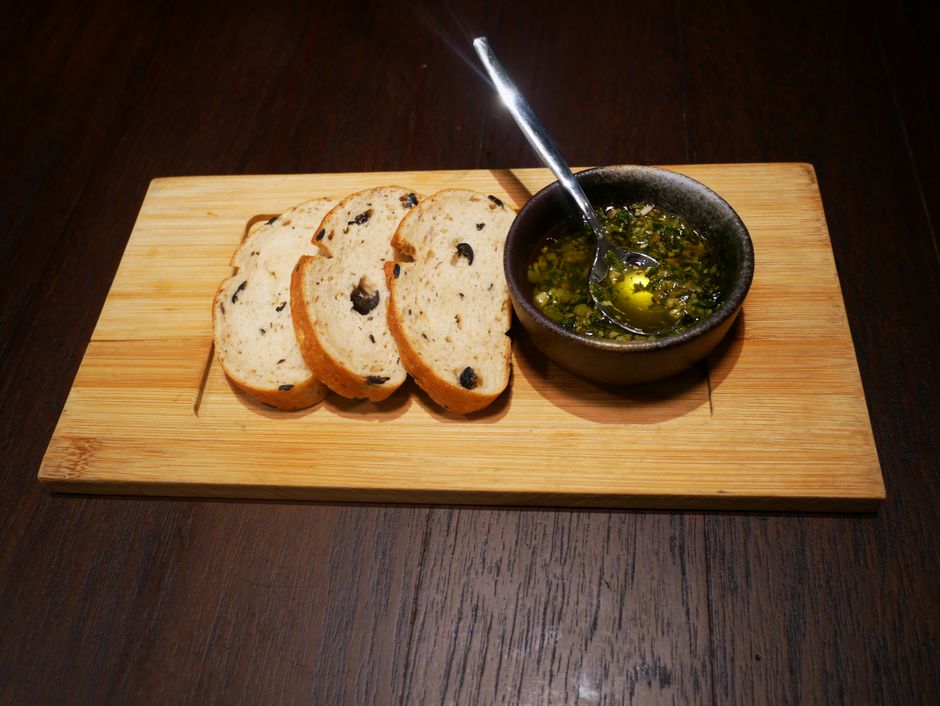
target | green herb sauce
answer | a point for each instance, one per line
(685, 287)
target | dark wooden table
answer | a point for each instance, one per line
(136, 600)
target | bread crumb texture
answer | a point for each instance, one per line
(451, 303)
(252, 328)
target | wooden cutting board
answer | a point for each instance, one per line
(775, 419)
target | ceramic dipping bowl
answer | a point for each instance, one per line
(630, 362)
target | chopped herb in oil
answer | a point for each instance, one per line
(685, 287)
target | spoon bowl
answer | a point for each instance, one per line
(613, 265)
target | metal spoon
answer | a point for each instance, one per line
(607, 254)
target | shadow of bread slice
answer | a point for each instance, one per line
(449, 309)
(339, 297)
(251, 315)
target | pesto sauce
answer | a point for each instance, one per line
(685, 287)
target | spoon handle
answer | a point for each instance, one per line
(536, 134)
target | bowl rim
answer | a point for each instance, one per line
(727, 309)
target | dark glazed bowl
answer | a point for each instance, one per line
(630, 362)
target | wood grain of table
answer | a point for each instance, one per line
(143, 600)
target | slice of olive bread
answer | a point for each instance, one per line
(449, 309)
(339, 297)
(251, 315)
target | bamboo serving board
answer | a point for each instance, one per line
(774, 419)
